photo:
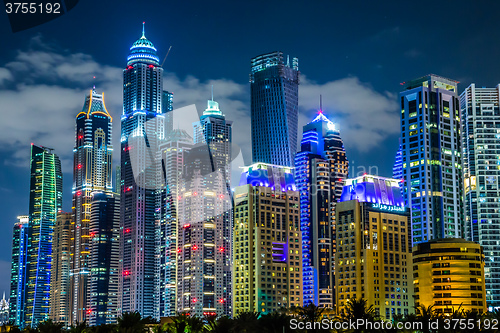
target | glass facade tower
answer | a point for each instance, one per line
(481, 165)
(18, 271)
(45, 202)
(431, 157)
(274, 89)
(142, 128)
(92, 172)
(321, 166)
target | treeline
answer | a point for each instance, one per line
(356, 317)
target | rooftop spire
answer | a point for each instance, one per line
(143, 35)
(320, 104)
(212, 92)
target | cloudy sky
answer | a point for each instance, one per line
(354, 55)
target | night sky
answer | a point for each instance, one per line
(355, 54)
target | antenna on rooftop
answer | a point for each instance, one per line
(320, 103)
(212, 92)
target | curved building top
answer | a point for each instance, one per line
(143, 51)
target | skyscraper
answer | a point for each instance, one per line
(167, 109)
(103, 260)
(274, 89)
(373, 259)
(205, 219)
(481, 165)
(431, 153)
(92, 172)
(18, 271)
(267, 241)
(142, 127)
(60, 283)
(321, 166)
(45, 202)
(173, 156)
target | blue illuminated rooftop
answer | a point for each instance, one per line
(143, 50)
(374, 189)
(268, 175)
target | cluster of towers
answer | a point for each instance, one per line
(170, 235)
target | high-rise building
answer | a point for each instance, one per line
(321, 166)
(167, 109)
(92, 172)
(173, 156)
(204, 266)
(373, 259)
(274, 89)
(142, 128)
(45, 202)
(431, 153)
(267, 248)
(448, 275)
(481, 166)
(18, 271)
(103, 260)
(60, 284)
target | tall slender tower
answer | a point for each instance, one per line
(274, 89)
(60, 284)
(321, 167)
(173, 154)
(431, 153)
(142, 128)
(480, 139)
(92, 171)
(45, 203)
(205, 221)
(18, 271)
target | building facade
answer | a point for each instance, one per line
(92, 172)
(449, 274)
(373, 259)
(142, 128)
(481, 144)
(267, 248)
(18, 270)
(274, 90)
(60, 284)
(45, 202)
(431, 157)
(104, 258)
(321, 166)
(204, 266)
(173, 155)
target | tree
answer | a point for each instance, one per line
(132, 322)
(246, 322)
(49, 326)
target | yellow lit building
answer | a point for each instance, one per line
(267, 249)
(449, 273)
(373, 259)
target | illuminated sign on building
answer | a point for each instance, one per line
(388, 208)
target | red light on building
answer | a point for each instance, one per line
(79, 166)
(179, 250)
(126, 273)
(194, 300)
(130, 67)
(221, 249)
(195, 193)
(127, 230)
(80, 137)
(151, 66)
(221, 301)
(89, 311)
(79, 193)
(195, 247)
(221, 196)
(186, 226)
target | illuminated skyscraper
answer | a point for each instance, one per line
(45, 203)
(321, 166)
(173, 154)
(373, 259)
(167, 109)
(267, 241)
(274, 88)
(142, 128)
(205, 220)
(103, 259)
(92, 172)
(481, 144)
(431, 153)
(18, 271)
(60, 284)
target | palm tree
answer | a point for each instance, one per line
(49, 326)
(425, 315)
(246, 322)
(79, 328)
(275, 322)
(215, 324)
(131, 322)
(177, 324)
